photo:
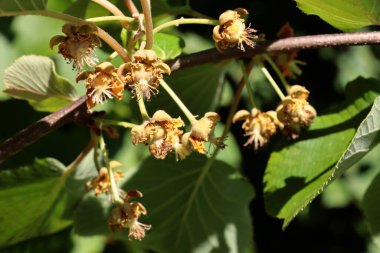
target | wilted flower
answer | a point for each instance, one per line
(295, 112)
(78, 44)
(161, 133)
(126, 217)
(101, 183)
(203, 131)
(258, 126)
(101, 84)
(143, 75)
(232, 32)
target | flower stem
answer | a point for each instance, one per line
(115, 123)
(247, 84)
(132, 8)
(112, 43)
(114, 189)
(95, 139)
(143, 111)
(111, 18)
(113, 9)
(182, 21)
(145, 4)
(272, 82)
(178, 101)
(278, 72)
(50, 14)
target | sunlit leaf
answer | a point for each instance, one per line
(33, 78)
(32, 201)
(8, 55)
(167, 46)
(371, 207)
(296, 173)
(9, 6)
(346, 15)
(192, 206)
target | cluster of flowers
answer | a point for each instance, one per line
(292, 115)
(163, 135)
(141, 77)
(126, 215)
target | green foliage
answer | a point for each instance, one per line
(33, 78)
(346, 15)
(167, 46)
(298, 172)
(9, 6)
(371, 208)
(32, 201)
(192, 205)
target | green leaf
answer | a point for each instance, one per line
(206, 81)
(32, 202)
(8, 55)
(9, 6)
(298, 172)
(191, 205)
(346, 15)
(167, 46)
(371, 208)
(33, 78)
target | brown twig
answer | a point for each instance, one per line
(67, 114)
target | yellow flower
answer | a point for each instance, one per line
(258, 126)
(232, 32)
(143, 75)
(161, 133)
(295, 112)
(78, 44)
(101, 84)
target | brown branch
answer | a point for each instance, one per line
(67, 114)
(41, 128)
(282, 45)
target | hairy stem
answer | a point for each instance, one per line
(114, 189)
(178, 101)
(145, 4)
(111, 18)
(278, 72)
(113, 9)
(182, 21)
(132, 8)
(248, 84)
(111, 122)
(142, 107)
(112, 43)
(272, 82)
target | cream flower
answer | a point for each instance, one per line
(232, 32)
(78, 45)
(102, 84)
(143, 75)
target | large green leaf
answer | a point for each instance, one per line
(199, 88)
(371, 207)
(9, 6)
(346, 15)
(167, 46)
(32, 201)
(8, 55)
(296, 173)
(192, 206)
(33, 78)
